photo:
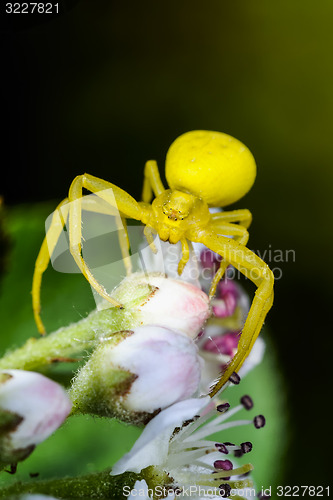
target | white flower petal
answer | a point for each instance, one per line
(152, 446)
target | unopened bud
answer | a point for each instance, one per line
(175, 304)
(136, 373)
(32, 407)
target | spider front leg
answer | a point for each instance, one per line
(259, 273)
(152, 183)
(57, 224)
(116, 198)
(58, 221)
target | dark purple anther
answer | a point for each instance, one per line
(221, 447)
(225, 490)
(247, 402)
(246, 447)
(259, 421)
(223, 407)
(223, 464)
(234, 378)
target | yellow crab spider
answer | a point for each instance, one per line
(203, 169)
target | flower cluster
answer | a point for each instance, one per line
(175, 444)
(135, 372)
(151, 363)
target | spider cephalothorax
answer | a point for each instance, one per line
(203, 169)
(175, 213)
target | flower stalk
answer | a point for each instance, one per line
(98, 485)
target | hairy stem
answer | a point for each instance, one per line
(99, 485)
(69, 341)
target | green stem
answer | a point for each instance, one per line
(69, 341)
(99, 485)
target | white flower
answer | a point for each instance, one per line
(165, 363)
(176, 305)
(134, 373)
(154, 299)
(175, 442)
(35, 405)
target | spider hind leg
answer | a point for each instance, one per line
(259, 273)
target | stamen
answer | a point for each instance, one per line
(225, 490)
(259, 421)
(234, 378)
(184, 458)
(221, 448)
(222, 418)
(246, 447)
(247, 402)
(222, 408)
(223, 474)
(223, 464)
(209, 430)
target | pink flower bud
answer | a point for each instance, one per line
(165, 363)
(33, 406)
(176, 305)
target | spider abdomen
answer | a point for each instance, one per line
(211, 165)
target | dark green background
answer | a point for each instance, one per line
(107, 85)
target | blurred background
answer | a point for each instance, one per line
(104, 86)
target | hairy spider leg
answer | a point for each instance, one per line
(58, 222)
(92, 203)
(115, 197)
(259, 273)
(243, 216)
(57, 225)
(185, 255)
(240, 234)
(152, 183)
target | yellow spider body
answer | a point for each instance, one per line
(203, 169)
